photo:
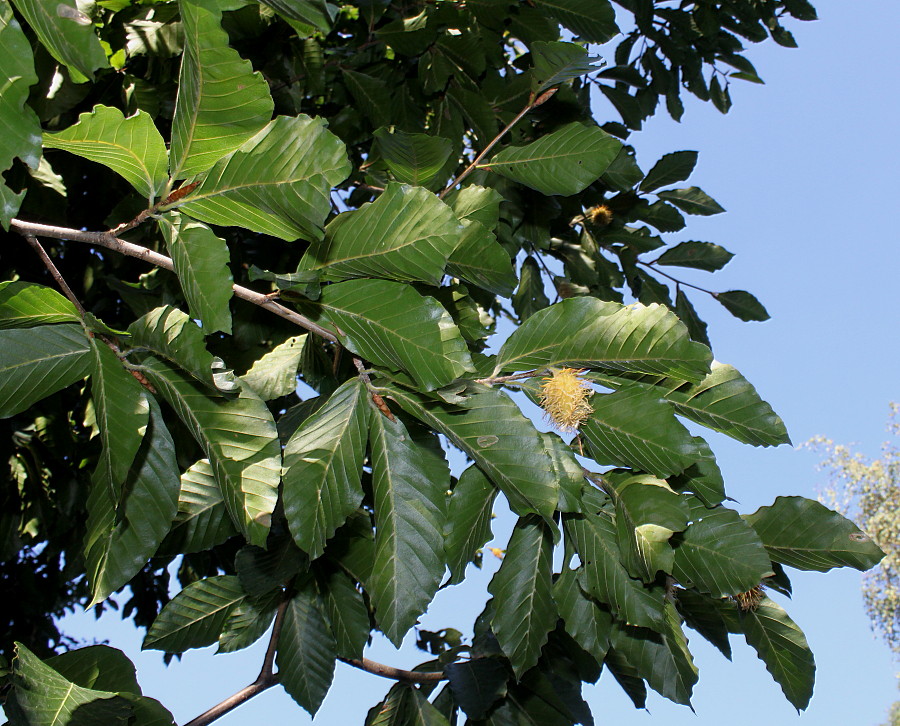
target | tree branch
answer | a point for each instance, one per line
(111, 242)
(54, 272)
(532, 104)
(397, 674)
(265, 680)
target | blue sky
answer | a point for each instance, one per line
(805, 167)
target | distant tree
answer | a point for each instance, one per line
(207, 203)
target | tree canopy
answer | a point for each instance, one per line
(268, 264)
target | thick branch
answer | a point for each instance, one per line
(110, 242)
(397, 674)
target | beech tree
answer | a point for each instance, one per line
(255, 258)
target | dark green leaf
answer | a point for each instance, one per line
(390, 324)
(409, 484)
(671, 168)
(805, 534)
(530, 297)
(660, 215)
(347, 613)
(195, 616)
(407, 234)
(476, 203)
(221, 102)
(586, 332)
(247, 622)
(555, 63)
(201, 263)
(413, 158)
(635, 428)
(563, 162)
(36, 362)
(306, 651)
(587, 623)
(289, 199)
(468, 521)
(477, 684)
(122, 537)
(602, 574)
(624, 172)
(719, 553)
(662, 658)
(524, 611)
(24, 305)
(592, 20)
(129, 146)
(711, 617)
(491, 430)
(322, 467)
(692, 200)
(264, 571)
(688, 315)
(238, 436)
(742, 305)
(98, 667)
(318, 14)
(67, 34)
(782, 646)
(480, 260)
(699, 255)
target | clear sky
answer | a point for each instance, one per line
(804, 166)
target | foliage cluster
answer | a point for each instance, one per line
(343, 201)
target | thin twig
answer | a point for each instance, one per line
(506, 379)
(651, 266)
(397, 674)
(55, 273)
(111, 242)
(265, 680)
(471, 167)
(373, 392)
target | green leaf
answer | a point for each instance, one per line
(275, 374)
(122, 413)
(131, 147)
(742, 305)
(469, 517)
(21, 127)
(587, 332)
(781, 645)
(719, 553)
(323, 465)
(171, 334)
(67, 34)
(698, 255)
(221, 101)
(504, 444)
(122, 537)
(390, 324)
(289, 199)
(407, 234)
(555, 63)
(529, 297)
(567, 470)
(195, 616)
(306, 651)
(47, 698)
(692, 200)
(98, 667)
(723, 401)
(371, 95)
(247, 622)
(713, 618)
(476, 203)
(238, 436)
(480, 260)
(37, 362)
(602, 574)
(313, 13)
(703, 478)
(648, 513)
(409, 485)
(662, 658)
(564, 162)
(202, 520)
(524, 611)
(635, 428)
(671, 168)
(588, 624)
(347, 613)
(24, 305)
(201, 263)
(592, 20)
(266, 571)
(807, 535)
(477, 684)
(413, 158)
(688, 315)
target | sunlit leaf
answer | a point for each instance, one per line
(556, 63)
(413, 158)
(275, 374)
(24, 305)
(468, 520)
(202, 519)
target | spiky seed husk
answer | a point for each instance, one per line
(751, 599)
(601, 215)
(564, 398)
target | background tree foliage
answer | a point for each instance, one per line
(350, 198)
